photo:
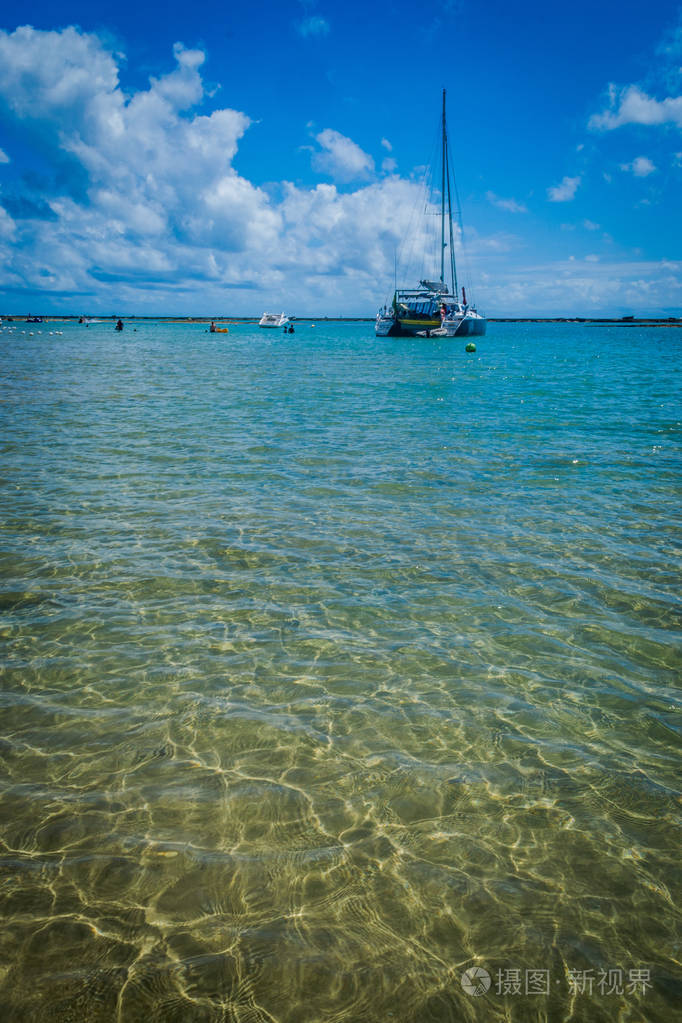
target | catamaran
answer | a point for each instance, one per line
(434, 309)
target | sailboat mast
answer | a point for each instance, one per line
(453, 269)
(445, 188)
(442, 200)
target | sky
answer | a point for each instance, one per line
(227, 159)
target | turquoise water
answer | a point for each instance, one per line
(335, 667)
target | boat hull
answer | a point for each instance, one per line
(412, 327)
(383, 326)
(468, 326)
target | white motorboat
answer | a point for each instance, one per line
(273, 320)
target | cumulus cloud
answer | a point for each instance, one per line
(162, 219)
(510, 205)
(4, 158)
(630, 105)
(341, 158)
(154, 174)
(68, 83)
(62, 74)
(574, 286)
(565, 191)
(641, 167)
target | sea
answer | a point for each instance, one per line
(340, 674)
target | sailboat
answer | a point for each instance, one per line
(434, 309)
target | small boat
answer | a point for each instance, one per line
(434, 309)
(273, 320)
(34, 319)
(218, 330)
(385, 322)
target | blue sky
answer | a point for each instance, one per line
(171, 159)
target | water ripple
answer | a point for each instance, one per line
(333, 668)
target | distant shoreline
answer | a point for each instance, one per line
(622, 321)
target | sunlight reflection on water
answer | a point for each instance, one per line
(335, 667)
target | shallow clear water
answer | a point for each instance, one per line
(334, 667)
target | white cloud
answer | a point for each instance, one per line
(7, 225)
(161, 215)
(632, 106)
(389, 165)
(387, 145)
(155, 218)
(511, 205)
(182, 88)
(565, 191)
(341, 158)
(4, 158)
(641, 166)
(579, 287)
(590, 225)
(313, 26)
